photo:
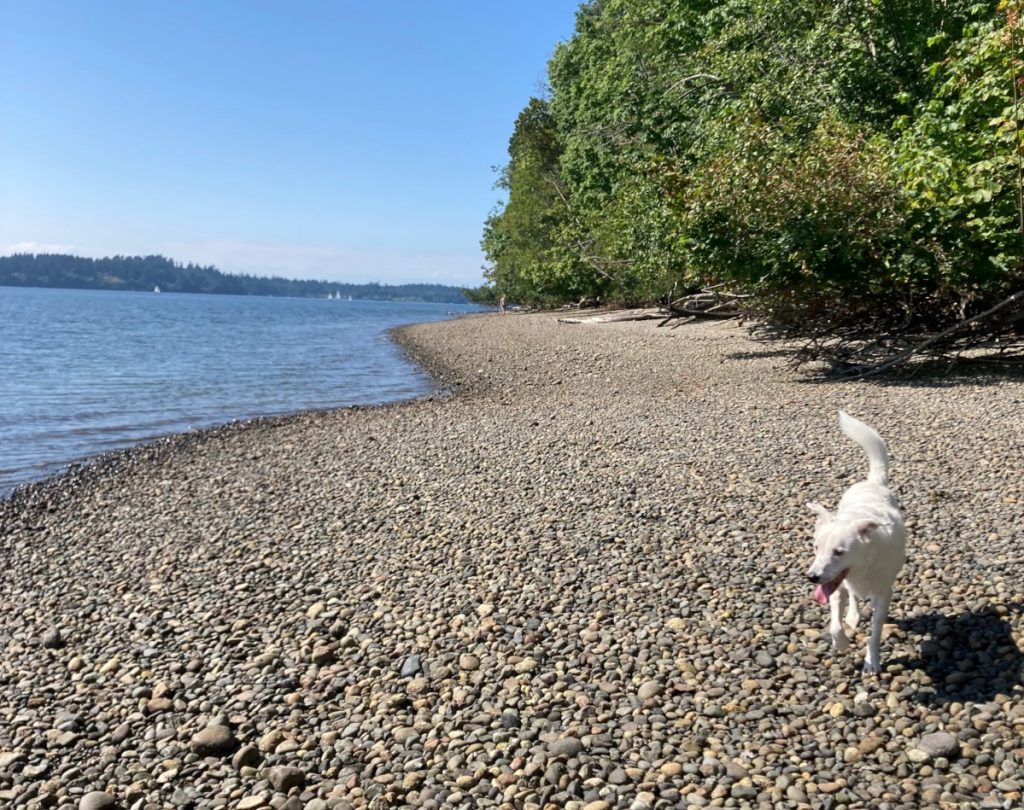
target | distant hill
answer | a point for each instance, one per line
(144, 273)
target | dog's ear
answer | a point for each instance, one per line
(864, 528)
(824, 516)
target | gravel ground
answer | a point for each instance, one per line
(577, 582)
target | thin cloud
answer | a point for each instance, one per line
(37, 247)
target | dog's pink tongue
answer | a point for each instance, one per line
(820, 596)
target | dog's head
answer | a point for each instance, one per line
(839, 546)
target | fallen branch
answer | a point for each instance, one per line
(617, 316)
(727, 309)
(918, 348)
(711, 302)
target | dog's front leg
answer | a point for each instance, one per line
(879, 612)
(852, 614)
(836, 604)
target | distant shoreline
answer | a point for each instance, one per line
(237, 295)
(161, 274)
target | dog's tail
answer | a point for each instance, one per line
(872, 444)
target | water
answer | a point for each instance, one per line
(83, 372)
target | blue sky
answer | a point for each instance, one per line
(350, 141)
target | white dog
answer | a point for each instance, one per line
(861, 547)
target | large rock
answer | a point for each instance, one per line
(411, 666)
(567, 747)
(214, 741)
(52, 639)
(284, 777)
(97, 800)
(650, 689)
(247, 757)
(9, 758)
(940, 744)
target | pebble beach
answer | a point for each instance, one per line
(573, 578)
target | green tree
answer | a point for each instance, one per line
(816, 149)
(525, 238)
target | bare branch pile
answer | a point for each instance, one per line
(711, 302)
(862, 343)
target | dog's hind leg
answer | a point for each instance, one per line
(837, 603)
(879, 612)
(852, 614)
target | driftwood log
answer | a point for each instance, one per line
(616, 316)
(711, 302)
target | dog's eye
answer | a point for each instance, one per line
(838, 552)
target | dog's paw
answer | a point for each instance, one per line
(840, 642)
(871, 669)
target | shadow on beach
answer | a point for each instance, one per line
(942, 374)
(967, 657)
(928, 374)
(917, 373)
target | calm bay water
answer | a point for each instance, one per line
(87, 371)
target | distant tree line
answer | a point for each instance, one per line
(834, 158)
(145, 273)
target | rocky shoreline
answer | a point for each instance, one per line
(576, 582)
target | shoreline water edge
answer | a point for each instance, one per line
(577, 581)
(102, 375)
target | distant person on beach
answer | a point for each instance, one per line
(501, 304)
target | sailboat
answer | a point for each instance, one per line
(156, 289)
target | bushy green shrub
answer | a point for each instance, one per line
(776, 212)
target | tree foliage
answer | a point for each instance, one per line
(526, 238)
(811, 150)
